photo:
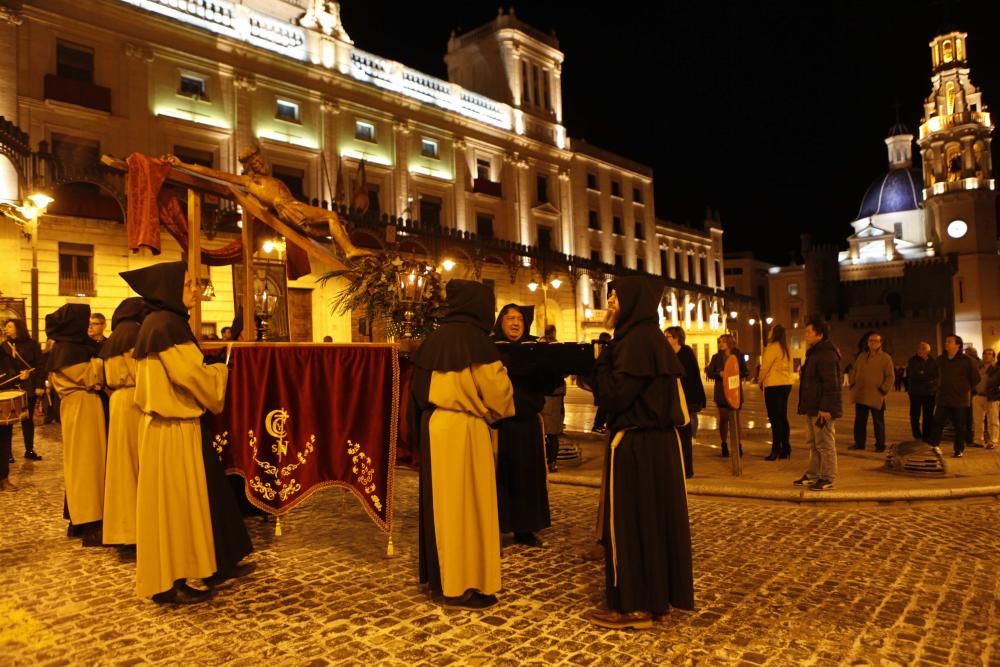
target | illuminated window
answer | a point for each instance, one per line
(947, 54)
(193, 86)
(429, 148)
(364, 131)
(287, 111)
(793, 290)
(949, 90)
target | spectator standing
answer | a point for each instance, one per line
(694, 394)
(871, 380)
(921, 384)
(727, 347)
(820, 402)
(985, 403)
(776, 381)
(958, 377)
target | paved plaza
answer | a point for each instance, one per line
(776, 584)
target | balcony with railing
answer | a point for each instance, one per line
(76, 284)
(938, 123)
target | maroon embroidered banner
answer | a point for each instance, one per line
(302, 417)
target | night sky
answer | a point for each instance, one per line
(773, 113)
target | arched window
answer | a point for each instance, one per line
(953, 162)
(947, 53)
(949, 90)
(977, 152)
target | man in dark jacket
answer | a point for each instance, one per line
(921, 384)
(958, 377)
(820, 402)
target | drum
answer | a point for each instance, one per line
(13, 407)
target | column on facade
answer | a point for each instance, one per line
(687, 311)
(512, 63)
(556, 82)
(329, 133)
(566, 212)
(401, 131)
(244, 87)
(9, 22)
(462, 180)
(628, 224)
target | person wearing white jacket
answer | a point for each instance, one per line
(776, 381)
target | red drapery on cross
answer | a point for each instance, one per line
(151, 205)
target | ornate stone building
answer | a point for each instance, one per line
(923, 260)
(478, 169)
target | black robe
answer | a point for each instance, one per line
(647, 534)
(522, 488)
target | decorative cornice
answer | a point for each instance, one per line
(10, 16)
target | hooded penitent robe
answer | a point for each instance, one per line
(459, 388)
(646, 531)
(76, 375)
(522, 491)
(174, 536)
(122, 474)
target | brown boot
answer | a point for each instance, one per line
(616, 620)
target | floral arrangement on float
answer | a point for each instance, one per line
(403, 297)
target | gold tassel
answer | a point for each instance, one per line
(277, 527)
(390, 551)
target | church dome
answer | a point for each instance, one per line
(899, 190)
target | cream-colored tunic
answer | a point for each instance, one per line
(122, 474)
(463, 473)
(84, 439)
(173, 522)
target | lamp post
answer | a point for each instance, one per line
(26, 217)
(533, 286)
(761, 322)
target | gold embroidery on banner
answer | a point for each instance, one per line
(364, 472)
(275, 425)
(220, 442)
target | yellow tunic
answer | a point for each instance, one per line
(463, 470)
(173, 523)
(123, 451)
(84, 439)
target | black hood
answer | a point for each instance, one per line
(124, 327)
(67, 326)
(469, 302)
(638, 299)
(461, 340)
(161, 285)
(528, 312)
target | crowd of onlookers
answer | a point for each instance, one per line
(958, 387)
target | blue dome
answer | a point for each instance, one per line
(897, 191)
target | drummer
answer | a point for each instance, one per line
(8, 373)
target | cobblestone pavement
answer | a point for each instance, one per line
(775, 585)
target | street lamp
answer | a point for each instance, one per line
(533, 286)
(26, 217)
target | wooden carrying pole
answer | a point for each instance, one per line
(194, 255)
(249, 325)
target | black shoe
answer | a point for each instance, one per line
(880, 449)
(474, 601)
(958, 455)
(725, 450)
(33, 455)
(802, 481)
(527, 539)
(219, 579)
(773, 456)
(183, 594)
(94, 537)
(857, 447)
(821, 485)
(786, 452)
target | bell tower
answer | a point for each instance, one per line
(959, 190)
